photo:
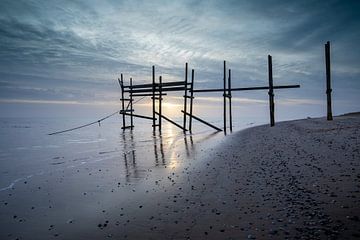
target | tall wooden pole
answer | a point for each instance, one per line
(191, 98)
(224, 94)
(229, 96)
(122, 100)
(271, 92)
(328, 81)
(160, 100)
(131, 107)
(185, 96)
(153, 96)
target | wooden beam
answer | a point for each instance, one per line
(271, 92)
(131, 107)
(204, 122)
(229, 96)
(160, 100)
(122, 98)
(153, 96)
(150, 90)
(224, 97)
(171, 121)
(185, 95)
(147, 95)
(191, 98)
(246, 88)
(328, 81)
(136, 115)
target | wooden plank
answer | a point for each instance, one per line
(246, 88)
(131, 107)
(150, 90)
(328, 81)
(150, 85)
(171, 121)
(191, 98)
(185, 96)
(148, 95)
(160, 101)
(271, 92)
(204, 122)
(137, 115)
(229, 96)
(224, 97)
(122, 98)
(153, 96)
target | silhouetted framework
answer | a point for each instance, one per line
(157, 90)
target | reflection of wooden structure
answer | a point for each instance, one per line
(156, 90)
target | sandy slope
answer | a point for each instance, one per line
(297, 180)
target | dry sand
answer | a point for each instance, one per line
(297, 180)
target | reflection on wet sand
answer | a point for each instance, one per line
(167, 148)
(158, 138)
(131, 169)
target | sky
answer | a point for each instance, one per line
(58, 56)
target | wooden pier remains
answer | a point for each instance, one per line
(158, 90)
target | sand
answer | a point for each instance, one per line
(297, 180)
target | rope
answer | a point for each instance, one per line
(92, 123)
(85, 125)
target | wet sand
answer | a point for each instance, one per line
(297, 180)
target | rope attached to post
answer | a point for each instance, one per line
(92, 123)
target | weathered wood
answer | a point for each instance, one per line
(150, 85)
(328, 81)
(160, 100)
(122, 97)
(229, 96)
(224, 97)
(271, 92)
(191, 98)
(171, 121)
(245, 88)
(148, 95)
(131, 107)
(150, 90)
(203, 121)
(136, 115)
(185, 95)
(153, 96)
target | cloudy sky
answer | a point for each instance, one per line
(71, 52)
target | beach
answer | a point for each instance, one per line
(297, 180)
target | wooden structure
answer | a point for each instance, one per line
(157, 90)
(328, 81)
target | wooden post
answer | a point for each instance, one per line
(271, 92)
(153, 96)
(224, 94)
(122, 99)
(229, 96)
(191, 98)
(131, 107)
(160, 100)
(328, 81)
(185, 96)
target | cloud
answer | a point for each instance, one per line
(75, 50)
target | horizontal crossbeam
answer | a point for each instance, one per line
(136, 115)
(148, 95)
(150, 85)
(244, 89)
(149, 90)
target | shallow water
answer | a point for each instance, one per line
(76, 177)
